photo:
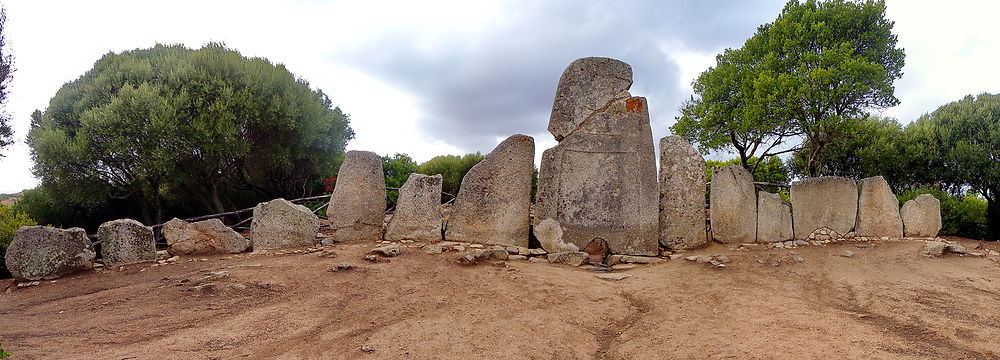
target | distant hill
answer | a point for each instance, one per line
(10, 199)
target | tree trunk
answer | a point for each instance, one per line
(814, 157)
(992, 219)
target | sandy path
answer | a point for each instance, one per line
(884, 303)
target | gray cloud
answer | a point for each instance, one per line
(473, 88)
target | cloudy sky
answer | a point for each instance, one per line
(450, 77)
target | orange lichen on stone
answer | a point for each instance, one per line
(633, 105)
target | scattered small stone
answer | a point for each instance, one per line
(162, 255)
(803, 242)
(994, 253)
(537, 260)
(612, 276)
(367, 349)
(817, 243)
(476, 246)
(264, 285)
(716, 263)
(675, 256)
(215, 276)
(956, 248)
(492, 254)
(458, 248)
(779, 245)
(433, 249)
(320, 235)
(238, 286)
(388, 251)
(848, 254)
(342, 266)
(623, 266)
(703, 259)
(799, 258)
(537, 252)
(572, 258)
(976, 253)
(202, 287)
(761, 261)
(692, 258)
(467, 259)
(328, 253)
(517, 257)
(793, 253)
(328, 241)
(933, 248)
(789, 244)
(371, 258)
(722, 259)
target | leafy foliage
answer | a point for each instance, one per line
(818, 65)
(452, 169)
(770, 170)
(6, 74)
(174, 128)
(870, 146)
(397, 169)
(10, 221)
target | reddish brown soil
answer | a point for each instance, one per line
(886, 302)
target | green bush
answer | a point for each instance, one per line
(10, 221)
(963, 216)
(4, 354)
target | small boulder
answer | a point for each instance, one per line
(433, 249)
(203, 237)
(388, 251)
(43, 253)
(281, 224)
(573, 258)
(126, 241)
(933, 248)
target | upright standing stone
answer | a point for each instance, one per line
(204, 237)
(878, 209)
(824, 202)
(42, 253)
(494, 201)
(357, 206)
(921, 216)
(682, 195)
(733, 201)
(280, 224)
(599, 182)
(417, 216)
(126, 241)
(774, 218)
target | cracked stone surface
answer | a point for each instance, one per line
(599, 182)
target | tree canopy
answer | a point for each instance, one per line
(6, 74)
(816, 67)
(207, 128)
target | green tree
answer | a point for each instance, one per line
(205, 129)
(808, 73)
(10, 221)
(967, 150)
(6, 74)
(397, 169)
(870, 146)
(452, 169)
(771, 170)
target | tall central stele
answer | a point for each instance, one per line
(599, 182)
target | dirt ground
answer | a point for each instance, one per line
(886, 302)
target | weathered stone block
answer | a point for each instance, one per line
(828, 201)
(599, 182)
(417, 216)
(42, 253)
(357, 206)
(203, 237)
(682, 195)
(126, 241)
(921, 216)
(774, 218)
(493, 203)
(878, 209)
(280, 224)
(733, 205)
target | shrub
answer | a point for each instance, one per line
(10, 221)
